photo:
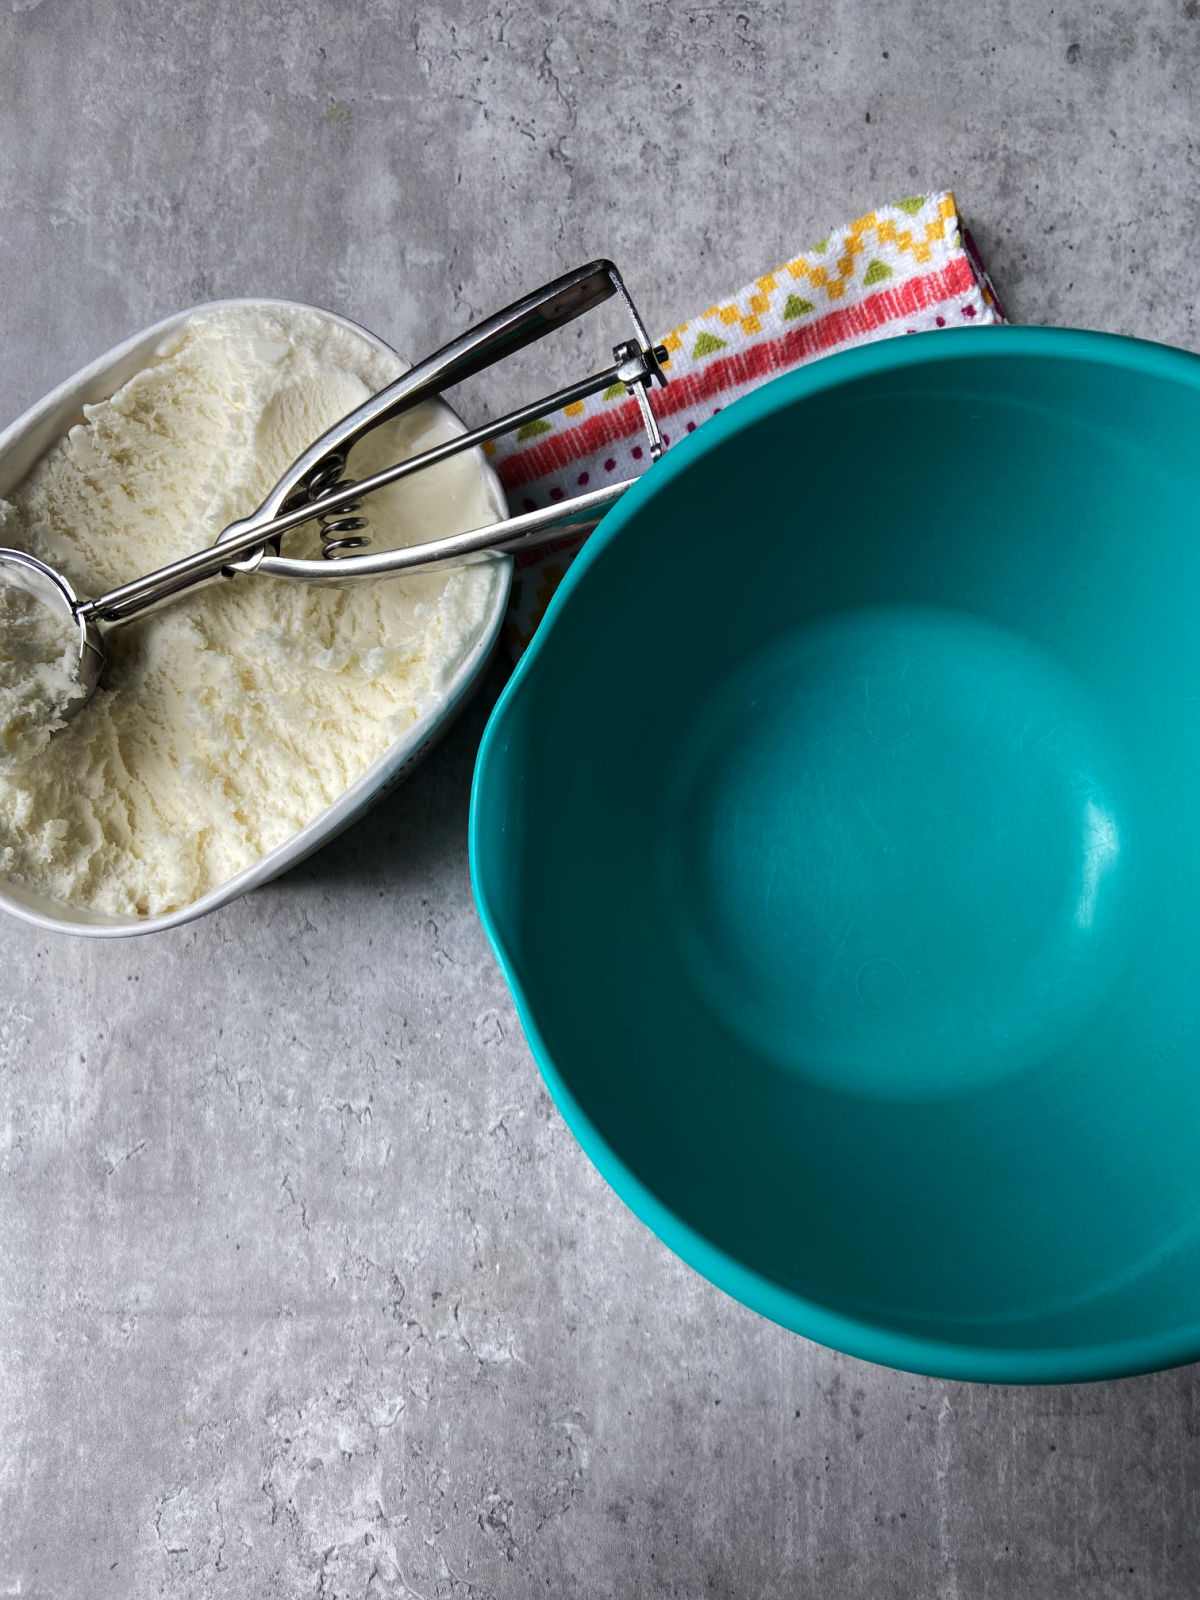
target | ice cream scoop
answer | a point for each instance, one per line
(314, 487)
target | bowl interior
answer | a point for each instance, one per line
(838, 838)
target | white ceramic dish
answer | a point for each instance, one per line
(27, 439)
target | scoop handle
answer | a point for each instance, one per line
(496, 337)
(527, 532)
(245, 545)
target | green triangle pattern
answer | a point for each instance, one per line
(876, 272)
(531, 429)
(913, 205)
(796, 307)
(706, 344)
(820, 247)
(613, 392)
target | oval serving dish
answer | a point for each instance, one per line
(27, 439)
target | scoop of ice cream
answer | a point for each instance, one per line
(39, 647)
(230, 720)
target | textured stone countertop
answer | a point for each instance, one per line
(304, 1287)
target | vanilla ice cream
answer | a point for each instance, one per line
(230, 720)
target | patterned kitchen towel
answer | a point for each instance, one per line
(903, 269)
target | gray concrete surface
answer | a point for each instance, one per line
(304, 1288)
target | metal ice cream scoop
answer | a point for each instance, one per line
(314, 487)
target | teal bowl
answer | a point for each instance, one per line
(839, 840)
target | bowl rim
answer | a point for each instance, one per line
(386, 770)
(855, 1335)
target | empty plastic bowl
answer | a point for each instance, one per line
(838, 838)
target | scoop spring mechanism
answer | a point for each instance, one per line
(340, 531)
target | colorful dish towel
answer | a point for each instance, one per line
(903, 269)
